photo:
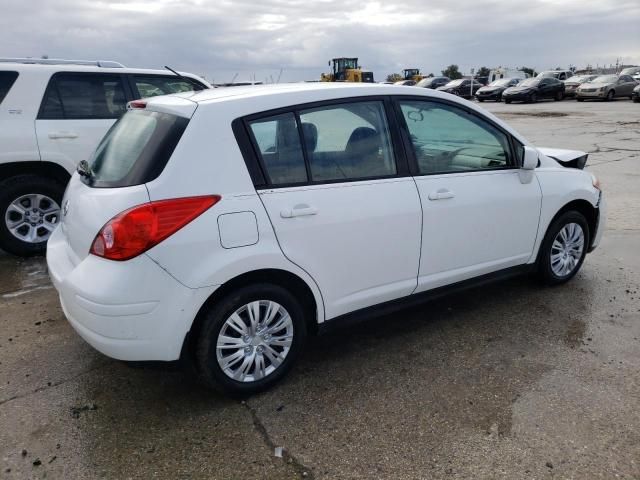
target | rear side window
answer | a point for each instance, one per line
(153, 85)
(136, 149)
(83, 96)
(278, 143)
(7, 79)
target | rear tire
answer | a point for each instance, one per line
(635, 99)
(229, 354)
(29, 210)
(507, 101)
(559, 96)
(559, 259)
(580, 99)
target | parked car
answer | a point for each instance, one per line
(225, 226)
(561, 75)
(433, 82)
(572, 84)
(461, 87)
(635, 95)
(634, 72)
(606, 87)
(533, 89)
(53, 113)
(406, 83)
(494, 90)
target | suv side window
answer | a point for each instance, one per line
(348, 141)
(153, 85)
(7, 80)
(278, 145)
(83, 96)
(447, 139)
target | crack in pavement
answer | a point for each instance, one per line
(53, 384)
(298, 466)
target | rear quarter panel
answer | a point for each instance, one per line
(208, 161)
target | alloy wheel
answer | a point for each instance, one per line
(566, 249)
(254, 341)
(31, 218)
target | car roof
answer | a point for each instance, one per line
(311, 90)
(67, 67)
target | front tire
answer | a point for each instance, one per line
(564, 248)
(533, 98)
(29, 212)
(610, 95)
(250, 339)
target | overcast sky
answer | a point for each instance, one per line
(218, 38)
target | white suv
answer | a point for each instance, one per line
(53, 113)
(224, 226)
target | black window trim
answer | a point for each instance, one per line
(408, 147)
(15, 75)
(257, 170)
(53, 83)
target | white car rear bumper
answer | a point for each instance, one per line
(132, 310)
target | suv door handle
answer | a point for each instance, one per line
(441, 194)
(56, 135)
(298, 211)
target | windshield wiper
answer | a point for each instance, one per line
(186, 79)
(84, 170)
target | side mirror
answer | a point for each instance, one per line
(529, 164)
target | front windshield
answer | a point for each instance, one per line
(578, 79)
(425, 82)
(548, 75)
(630, 71)
(503, 82)
(529, 82)
(606, 79)
(455, 83)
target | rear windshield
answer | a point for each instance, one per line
(6, 82)
(136, 149)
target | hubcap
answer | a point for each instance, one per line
(566, 249)
(254, 341)
(31, 218)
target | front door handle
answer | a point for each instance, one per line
(298, 211)
(441, 194)
(56, 135)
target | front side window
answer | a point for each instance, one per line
(7, 80)
(83, 96)
(448, 139)
(153, 85)
(348, 141)
(277, 141)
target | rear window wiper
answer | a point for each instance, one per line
(84, 170)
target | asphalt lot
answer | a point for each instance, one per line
(511, 380)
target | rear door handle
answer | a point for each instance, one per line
(56, 135)
(298, 211)
(441, 194)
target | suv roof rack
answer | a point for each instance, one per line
(62, 61)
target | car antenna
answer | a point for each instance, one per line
(187, 79)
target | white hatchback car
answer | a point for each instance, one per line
(226, 225)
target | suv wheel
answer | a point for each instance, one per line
(250, 339)
(30, 211)
(563, 248)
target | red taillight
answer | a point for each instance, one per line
(137, 104)
(136, 230)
